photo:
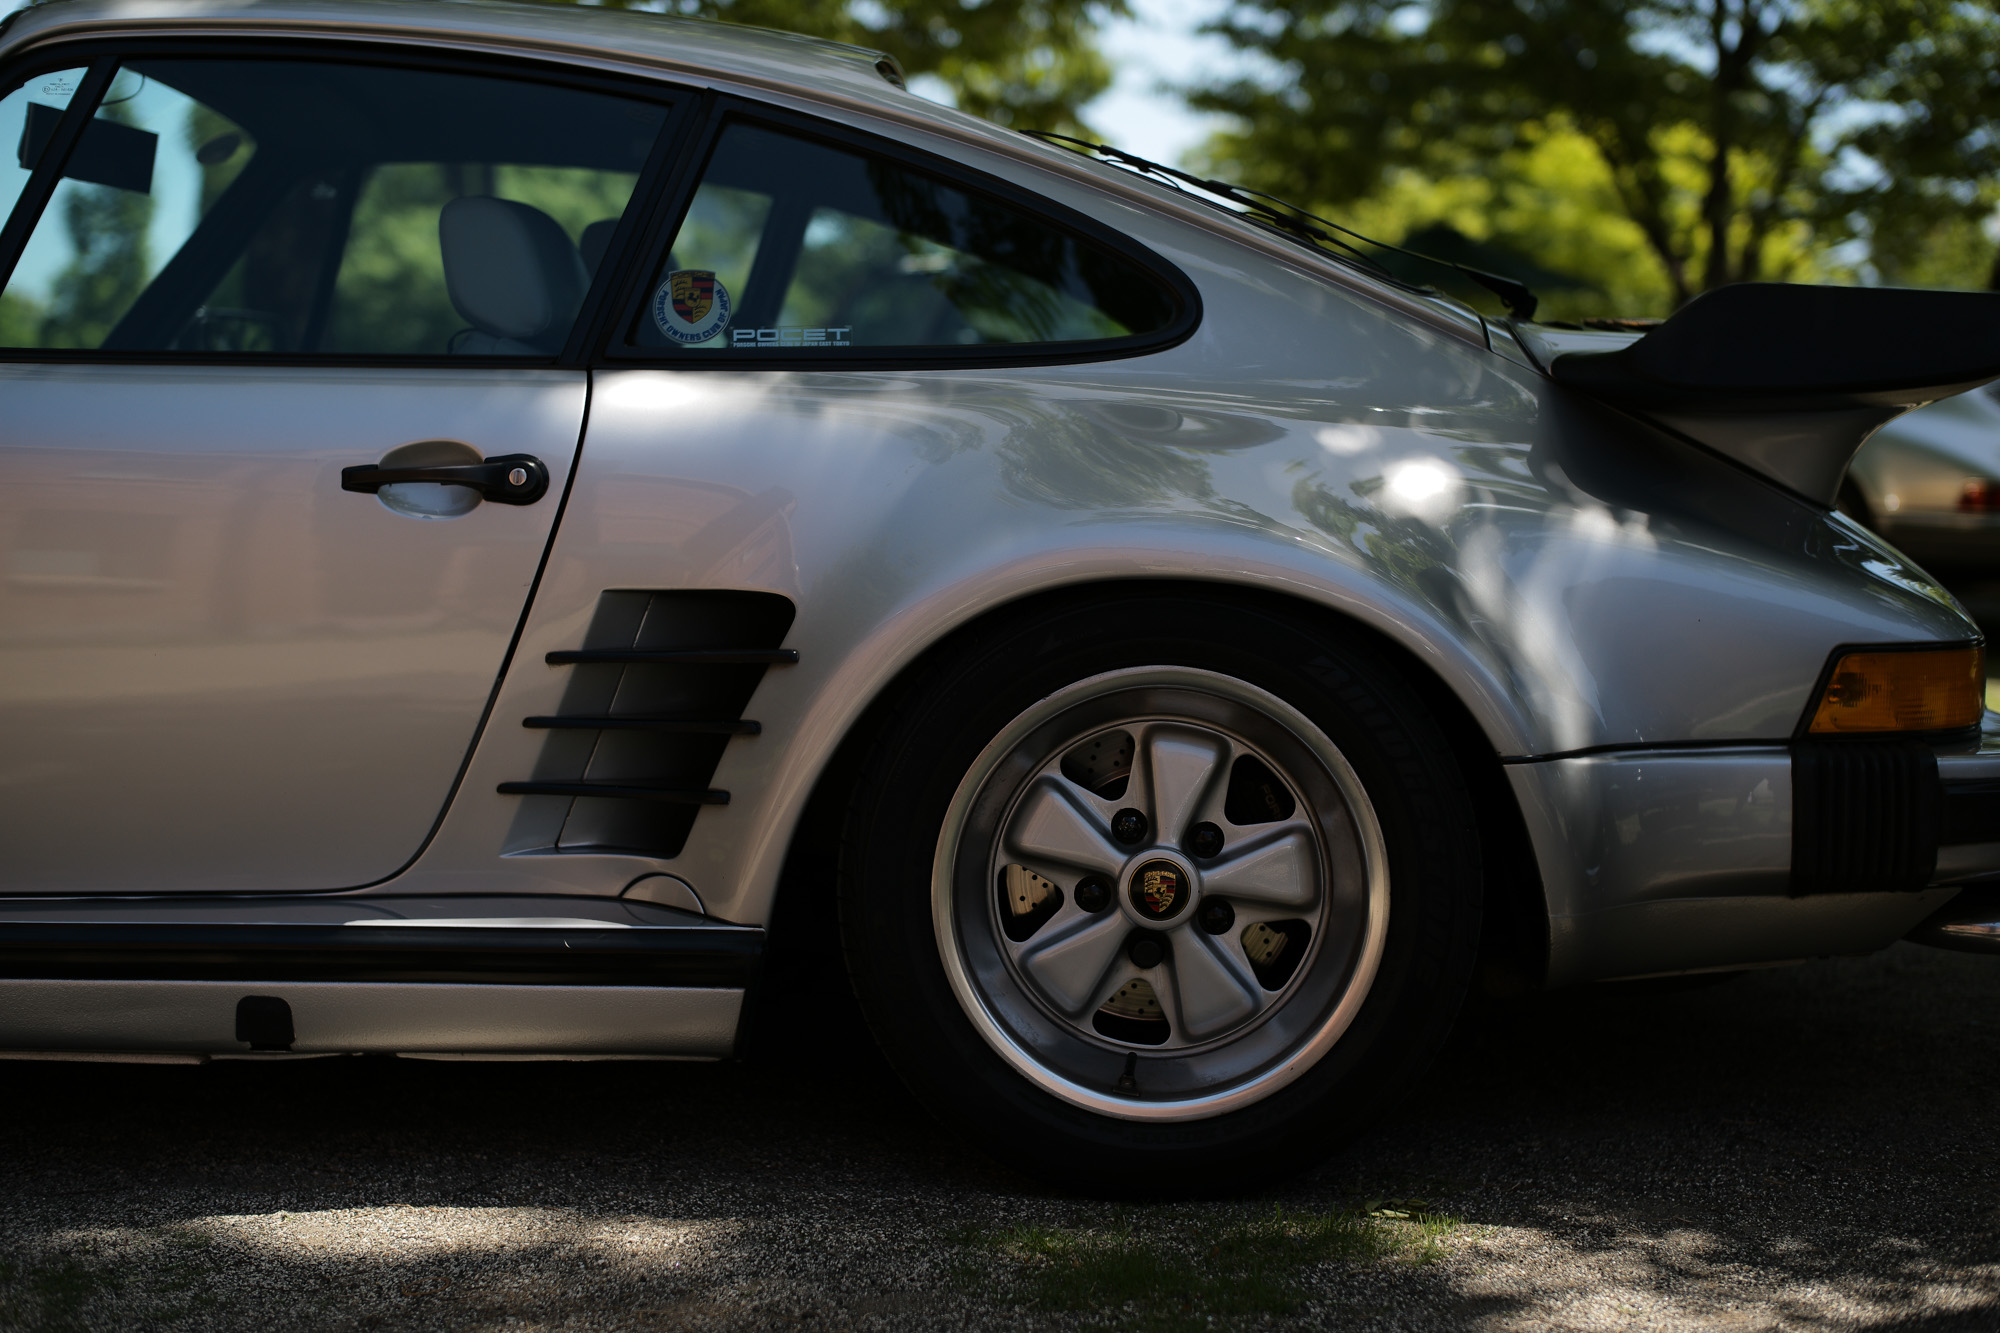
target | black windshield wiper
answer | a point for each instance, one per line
(1290, 218)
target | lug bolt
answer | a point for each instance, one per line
(1145, 951)
(1216, 916)
(1205, 841)
(1128, 826)
(1093, 893)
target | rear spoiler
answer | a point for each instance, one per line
(1790, 380)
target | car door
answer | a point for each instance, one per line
(285, 423)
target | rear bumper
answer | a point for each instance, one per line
(1666, 861)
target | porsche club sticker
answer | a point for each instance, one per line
(690, 306)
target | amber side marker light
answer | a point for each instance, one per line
(1940, 689)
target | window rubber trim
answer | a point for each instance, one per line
(724, 109)
(679, 100)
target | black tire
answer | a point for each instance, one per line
(1359, 699)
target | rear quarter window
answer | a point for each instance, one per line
(794, 246)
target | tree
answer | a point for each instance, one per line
(1732, 139)
(1031, 64)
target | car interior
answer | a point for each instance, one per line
(292, 207)
(319, 207)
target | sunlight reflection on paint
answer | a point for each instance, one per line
(1426, 488)
(656, 392)
(1347, 441)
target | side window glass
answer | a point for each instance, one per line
(27, 117)
(799, 246)
(149, 166)
(289, 207)
(393, 292)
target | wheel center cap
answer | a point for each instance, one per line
(1159, 890)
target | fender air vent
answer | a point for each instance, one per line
(656, 692)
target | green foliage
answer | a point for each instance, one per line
(573, 196)
(1031, 64)
(1170, 1269)
(52, 1293)
(1651, 148)
(390, 296)
(20, 320)
(107, 231)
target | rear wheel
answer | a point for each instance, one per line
(1162, 894)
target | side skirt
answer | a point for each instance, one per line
(202, 1017)
(404, 989)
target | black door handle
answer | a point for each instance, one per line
(508, 479)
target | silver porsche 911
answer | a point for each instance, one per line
(507, 510)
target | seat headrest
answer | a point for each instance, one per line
(594, 240)
(510, 270)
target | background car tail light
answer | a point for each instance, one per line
(1929, 690)
(1980, 495)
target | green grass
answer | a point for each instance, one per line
(83, 1288)
(49, 1295)
(1199, 1269)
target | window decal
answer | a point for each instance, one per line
(691, 306)
(790, 336)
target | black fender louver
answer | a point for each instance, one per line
(1789, 380)
(657, 691)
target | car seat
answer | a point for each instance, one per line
(512, 275)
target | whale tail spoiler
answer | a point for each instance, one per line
(1790, 380)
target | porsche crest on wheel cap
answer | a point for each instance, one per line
(1159, 890)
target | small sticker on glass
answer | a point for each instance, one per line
(788, 336)
(690, 306)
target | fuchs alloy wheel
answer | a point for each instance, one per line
(1202, 982)
(1161, 894)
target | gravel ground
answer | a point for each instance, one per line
(1800, 1148)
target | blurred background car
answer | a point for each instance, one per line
(1929, 482)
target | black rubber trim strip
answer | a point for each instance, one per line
(1866, 816)
(1971, 812)
(694, 956)
(676, 656)
(625, 791)
(698, 726)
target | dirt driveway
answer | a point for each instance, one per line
(1812, 1147)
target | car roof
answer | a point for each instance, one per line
(729, 50)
